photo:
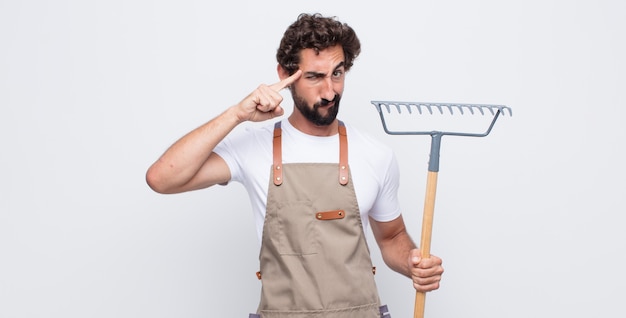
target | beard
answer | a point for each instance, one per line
(312, 114)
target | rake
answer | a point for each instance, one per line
(386, 108)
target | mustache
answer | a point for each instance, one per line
(325, 101)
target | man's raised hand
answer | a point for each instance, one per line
(264, 102)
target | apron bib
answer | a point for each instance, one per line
(314, 259)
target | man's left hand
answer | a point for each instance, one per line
(425, 272)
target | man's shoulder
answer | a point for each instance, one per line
(365, 139)
(367, 147)
(259, 128)
(250, 133)
(251, 137)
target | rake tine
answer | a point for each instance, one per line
(460, 107)
(408, 107)
(398, 108)
(449, 107)
(509, 109)
(502, 110)
(419, 108)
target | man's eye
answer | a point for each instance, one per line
(315, 78)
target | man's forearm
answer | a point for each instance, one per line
(395, 244)
(396, 251)
(182, 161)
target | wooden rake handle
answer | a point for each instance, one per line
(429, 212)
(427, 230)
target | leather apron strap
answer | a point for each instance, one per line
(344, 173)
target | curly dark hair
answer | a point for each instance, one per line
(314, 31)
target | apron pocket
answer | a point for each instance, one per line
(297, 233)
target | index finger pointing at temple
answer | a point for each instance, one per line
(287, 81)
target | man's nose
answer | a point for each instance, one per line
(328, 89)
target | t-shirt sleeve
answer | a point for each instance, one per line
(243, 145)
(228, 151)
(387, 206)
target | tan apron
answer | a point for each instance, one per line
(314, 259)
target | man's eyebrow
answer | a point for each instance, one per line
(320, 74)
(315, 74)
(341, 64)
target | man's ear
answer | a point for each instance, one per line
(282, 72)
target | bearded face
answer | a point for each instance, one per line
(322, 113)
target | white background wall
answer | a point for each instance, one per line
(529, 221)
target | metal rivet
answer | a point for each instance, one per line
(343, 167)
(277, 178)
(319, 216)
(343, 178)
(277, 167)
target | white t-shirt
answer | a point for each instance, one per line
(373, 166)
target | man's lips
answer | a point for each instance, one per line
(326, 103)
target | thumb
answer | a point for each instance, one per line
(414, 257)
(278, 111)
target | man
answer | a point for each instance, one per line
(310, 210)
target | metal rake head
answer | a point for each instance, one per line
(420, 108)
